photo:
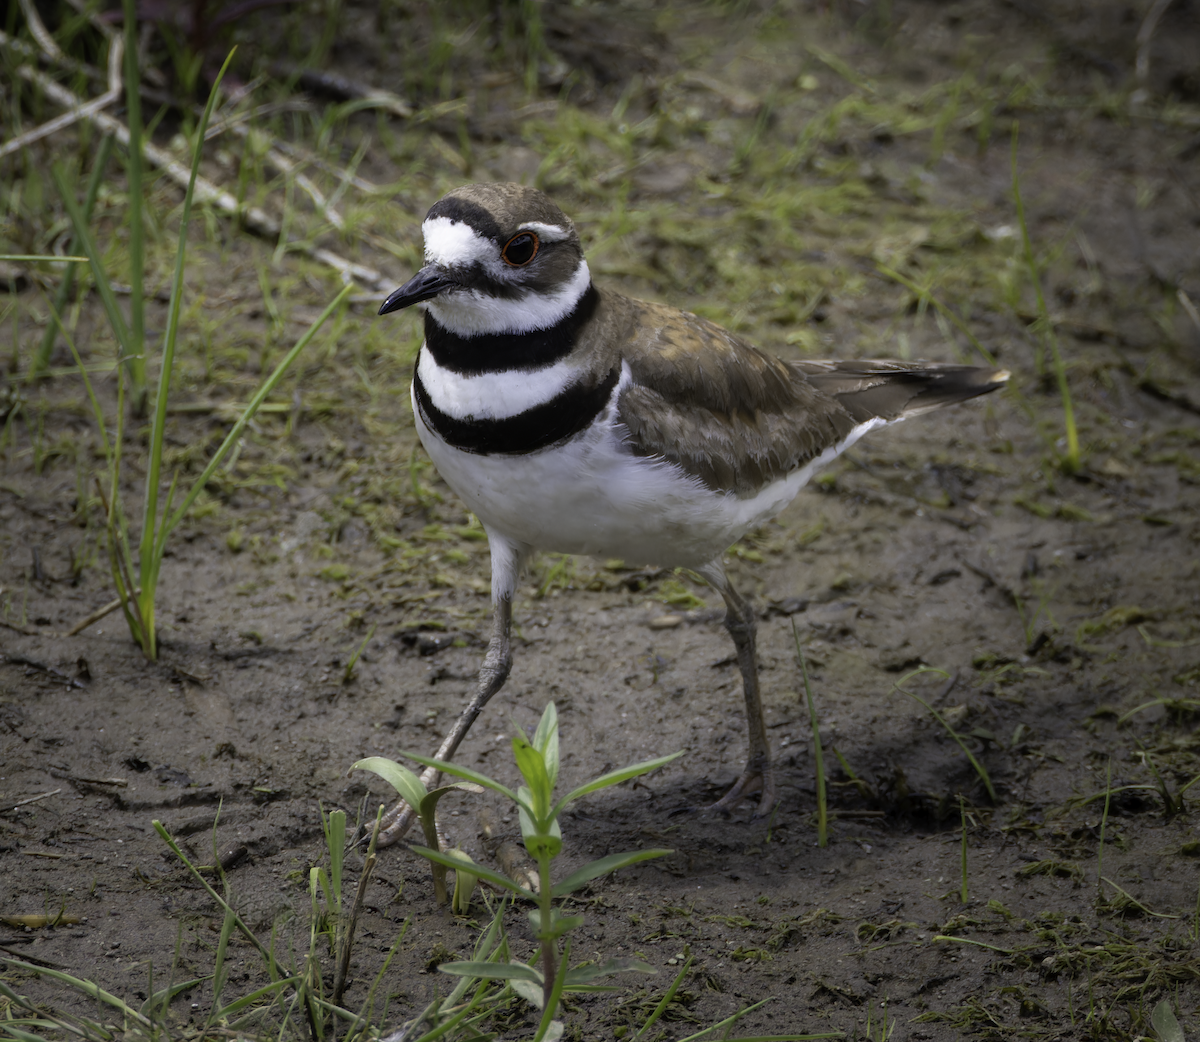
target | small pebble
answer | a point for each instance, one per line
(666, 622)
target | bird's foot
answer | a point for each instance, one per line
(396, 822)
(752, 780)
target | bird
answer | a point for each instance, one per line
(574, 419)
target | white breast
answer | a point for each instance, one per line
(591, 495)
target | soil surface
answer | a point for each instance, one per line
(1063, 609)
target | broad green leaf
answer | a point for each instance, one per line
(533, 768)
(614, 778)
(492, 877)
(559, 924)
(590, 971)
(405, 782)
(545, 740)
(465, 773)
(464, 887)
(431, 799)
(493, 971)
(603, 866)
(530, 992)
(549, 835)
(1165, 1025)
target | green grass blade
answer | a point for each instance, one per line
(87, 245)
(137, 232)
(979, 768)
(1048, 335)
(272, 966)
(147, 558)
(63, 295)
(603, 866)
(661, 1008)
(97, 411)
(948, 312)
(84, 987)
(162, 998)
(247, 415)
(237, 1005)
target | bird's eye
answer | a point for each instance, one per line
(520, 249)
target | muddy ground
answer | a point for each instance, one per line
(1055, 603)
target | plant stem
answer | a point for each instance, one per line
(549, 941)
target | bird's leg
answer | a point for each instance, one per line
(758, 775)
(492, 675)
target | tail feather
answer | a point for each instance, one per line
(879, 389)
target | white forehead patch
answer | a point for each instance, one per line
(456, 243)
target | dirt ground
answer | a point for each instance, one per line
(1056, 604)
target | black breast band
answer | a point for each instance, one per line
(562, 417)
(497, 352)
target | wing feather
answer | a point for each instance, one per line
(737, 419)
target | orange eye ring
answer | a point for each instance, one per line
(520, 249)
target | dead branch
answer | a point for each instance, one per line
(78, 111)
(251, 217)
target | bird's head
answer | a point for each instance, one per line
(499, 258)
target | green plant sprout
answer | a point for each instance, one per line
(1029, 619)
(348, 672)
(1044, 327)
(137, 587)
(424, 801)
(538, 761)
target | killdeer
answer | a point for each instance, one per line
(574, 419)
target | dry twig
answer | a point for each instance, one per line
(1144, 37)
(251, 217)
(77, 111)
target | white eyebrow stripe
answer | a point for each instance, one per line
(547, 232)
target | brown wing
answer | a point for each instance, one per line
(737, 418)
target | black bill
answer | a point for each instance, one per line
(426, 283)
